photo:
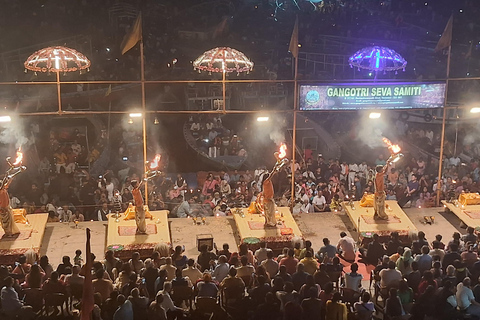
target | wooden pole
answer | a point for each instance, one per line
(144, 115)
(440, 161)
(59, 95)
(224, 107)
(294, 133)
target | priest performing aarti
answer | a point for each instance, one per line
(140, 212)
(379, 182)
(268, 191)
(6, 212)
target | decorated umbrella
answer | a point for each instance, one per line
(57, 59)
(223, 59)
(377, 59)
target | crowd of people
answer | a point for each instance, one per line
(417, 280)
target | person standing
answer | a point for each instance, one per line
(379, 203)
(269, 203)
(6, 212)
(139, 209)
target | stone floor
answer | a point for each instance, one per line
(63, 239)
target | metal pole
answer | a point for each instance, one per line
(440, 163)
(144, 115)
(224, 108)
(294, 134)
(59, 94)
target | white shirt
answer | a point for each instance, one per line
(306, 208)
(220, 272)
(167, 303)
(309, 174)
(363, 169)
(347, 245)
(261, 254)
(353, 168)
(454, 161)
(319, 201)
(464, 296)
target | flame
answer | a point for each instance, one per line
(282, 151)
(394, 148)
(19, 158)
(155, 162)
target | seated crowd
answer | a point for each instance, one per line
(419, 280)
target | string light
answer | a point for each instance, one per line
(377, 59)
(223, 59)
(57, 59)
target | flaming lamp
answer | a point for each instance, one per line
(281, 156)
(153, 171)
(395, 149)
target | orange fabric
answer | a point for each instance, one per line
(137, 197)
(4, 198)
(379, 182)
(268, 189)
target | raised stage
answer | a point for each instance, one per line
(250, 229)
(30, 237)
(469, 214)
(362, 219)
(122, 239)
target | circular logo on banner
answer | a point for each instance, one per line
(312, 97)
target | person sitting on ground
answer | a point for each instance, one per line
(101, 285)
(232, 280)
(290, 262)
(124, 310)
(261, 253)
(139, 304)
(192, 272)
(12, 307)
(288, 294)
(353, 279)
(270, 265)
(346, 247)
(374, 252)
(53, 285)
(312, 306)
(170, 268)
(466, 300)
(365, 308)
(327, 252)
(390, 276)
(299, 278)
(418, 244)
(335, 309)
(155, 310)
(393, 306)
(221, 269)
(34, 279)
(309, 262)
(65, 263)
(206, 287)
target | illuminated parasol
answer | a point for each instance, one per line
(57, 59)
(223, 59)
(377, 59)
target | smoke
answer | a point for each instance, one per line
(371, 132)
(13, 132)
(277, 129)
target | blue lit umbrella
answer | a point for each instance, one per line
(377, 59)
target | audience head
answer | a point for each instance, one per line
(232, 272)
